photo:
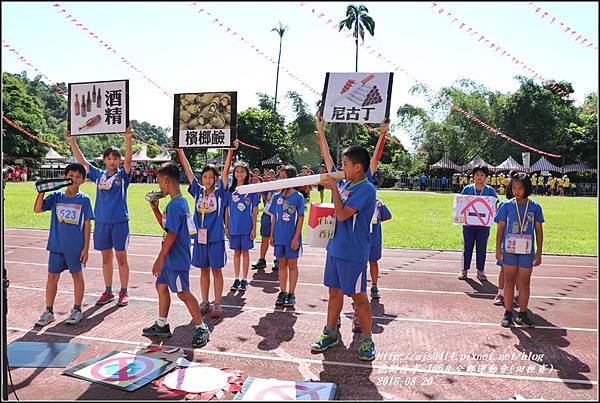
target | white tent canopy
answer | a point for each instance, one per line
(141, 156)
(165, 156)
(53, 155)
(509, 164)
(475, 162)
(544, 165)
(445, 163)
(577, 167)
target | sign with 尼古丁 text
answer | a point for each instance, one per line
(357, 97)
(98, 107)
(474, 210)
(204, 120)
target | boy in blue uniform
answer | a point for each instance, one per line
(240, 224)
(519, 231)
(265, 229)
(172, 266)
(209, 243)
(474, 234)
(287, 217)
(68, 241)
(111, 215)
(348, 250)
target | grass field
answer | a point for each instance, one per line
(420, 220)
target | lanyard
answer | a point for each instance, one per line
(357, 183)
(475, 189)
(522, 223)
(203, 206)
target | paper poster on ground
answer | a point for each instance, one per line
(259, 389)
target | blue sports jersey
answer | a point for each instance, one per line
(111, 195)
(214, 205)
(352, 238)
(508, 213)
(67, 219)
(175, 221)
(471, 190)
(286, 210)
(381, 213)
(240, 212)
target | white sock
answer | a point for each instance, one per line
(161, 321)
(200, 325)
(501, 291)
(516, 293)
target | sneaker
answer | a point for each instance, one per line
(204, 308)
(507, 320)
(276, 265)
(499, 300)
(481, 275)
(356, 328)
(243, 285)
(216, 311)
(324, 342)
(105, 298)
(46, 318)
(261, 264)
(375, 292)
(236, 285)
(523, 319)
(463, 275)
(123, 299)
(157, 331)
(281, 298)
(290, 300)
(366, 350)
(516, 303)
(75, 317)
(201, 336)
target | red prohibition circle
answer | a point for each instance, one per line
(122, 363)
(278, 391)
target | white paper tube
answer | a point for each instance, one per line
(288, 183)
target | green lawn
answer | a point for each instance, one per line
(420, 220)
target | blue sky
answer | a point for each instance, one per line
(183, 51)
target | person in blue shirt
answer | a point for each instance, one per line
(240, 224)
(287, 217)
(423, 182)
(172, 266)
(444, 184)
(265, 229)
(348, 250)
(519, 242)
(68, 240)
(209, 210)
(476, 235)
(111, 230)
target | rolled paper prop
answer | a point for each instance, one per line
(154, 195)
(49, 185)
(289, 182)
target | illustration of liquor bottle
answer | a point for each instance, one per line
(89, 103)
(91, 122)
(83, 109)
(99, 103)
(77, 106)
(94, 95)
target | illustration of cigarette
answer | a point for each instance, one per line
(353, 88)
(91, 122)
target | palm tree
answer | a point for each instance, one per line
(360, 19)
(281, 30)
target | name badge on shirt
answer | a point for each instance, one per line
(241, 206)
(285, 217)
(68, 213)
(203, 236)
(106, 183)
(519, 244)
(190, 224)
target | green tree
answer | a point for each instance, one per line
(357, 19)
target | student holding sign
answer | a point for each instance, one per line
(475, 235)
(111, 230)
(519, 226)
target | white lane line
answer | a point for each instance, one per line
(296, 360)
(322, 286)
(382, 318)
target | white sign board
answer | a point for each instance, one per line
(321, 224)
(474, 210)
(259, 389)
(526, 160)
(98, 107)
(357, 97)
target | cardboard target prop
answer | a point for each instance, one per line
(258, 389)
(474, 210)
(121, 370)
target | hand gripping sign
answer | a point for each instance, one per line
(474, 210)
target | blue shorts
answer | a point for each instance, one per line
(375, 253)
(240, 242)
(522, 261)
(210, 255)
(265, 225)
(287, 252)
(176, 280)
(345, 275)
(108, 236)
(58, 262)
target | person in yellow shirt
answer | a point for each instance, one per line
(560, 183)
(534, 183)
(573, 189)
(501, 190)
(494, 182)
(565, 185)
(550, 184)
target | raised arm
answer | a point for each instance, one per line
(225, 172)
(128, 149)
(39, 201)
(323, 143)
(186, 165)
(76, 151)
(383, 130)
